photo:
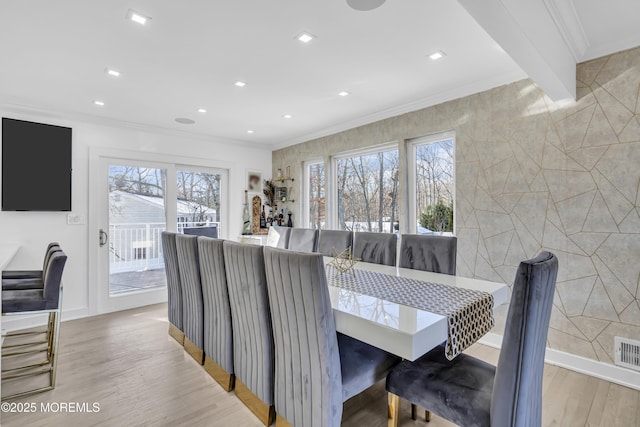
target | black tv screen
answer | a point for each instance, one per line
(36, 166)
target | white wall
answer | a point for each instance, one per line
(34, 230)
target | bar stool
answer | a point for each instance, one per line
(28, 279)
(45, 299)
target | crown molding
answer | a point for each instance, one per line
(438, 98)
(564, 15)
(18, 108)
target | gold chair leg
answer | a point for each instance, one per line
(222, 377)
(265, 413)
(176, 334)
(394, 409)
(50, 335)
(193, 350)
(53, 331)
(427, 414)
(282, 422)
(54, 349)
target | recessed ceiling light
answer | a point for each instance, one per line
(112, 72)
(365, 5)
(437, 55)
(98, 103)
(240, 84)
(249, 131)
(344, 93)
(202, 110)
(287, 116)
(305, 37)
(137, 17)
(185, 121)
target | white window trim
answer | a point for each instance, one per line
(332, 213)
(411, 174)
(305, 189)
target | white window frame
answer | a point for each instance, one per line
(306, 166)
(412, 144)
(332, 214)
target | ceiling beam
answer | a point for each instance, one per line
(529, 35)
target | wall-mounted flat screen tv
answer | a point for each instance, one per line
(36, 166)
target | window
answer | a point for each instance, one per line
(431, 179)
(198, 203)
(140, 253)
(367, 190)
(315, 199)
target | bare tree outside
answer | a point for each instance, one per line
(137, 180)
(201, 192)
(367, 191)
(434, 185)
(317, 200)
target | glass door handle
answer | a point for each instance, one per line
(103, 237)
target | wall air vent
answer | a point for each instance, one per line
(627, 353)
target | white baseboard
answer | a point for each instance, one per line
(14, 323)
(594, 368)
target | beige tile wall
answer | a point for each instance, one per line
(532, 175)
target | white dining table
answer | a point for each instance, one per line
(402, 330)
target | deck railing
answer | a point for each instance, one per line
(137, 246)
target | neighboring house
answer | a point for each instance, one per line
(135, 224)
(129, 208)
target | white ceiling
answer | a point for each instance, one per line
(609, 25)
(55, 52)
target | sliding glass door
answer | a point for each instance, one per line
(137, 217)
(138, 200)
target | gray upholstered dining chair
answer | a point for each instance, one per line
(303, 239)
(278, 237)
(473, 393)
(45, 299)
(316, 369)
(218, 342)
(192, 304)
(377, 248)
(338, 240)
(29, 279)
(174, 288)
(429, 252)
(206, 231)
(252, 333)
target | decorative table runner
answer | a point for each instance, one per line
(469, 313)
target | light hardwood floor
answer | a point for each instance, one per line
(140, 376)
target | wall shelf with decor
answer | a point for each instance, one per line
(283, 180)
(283, 177)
